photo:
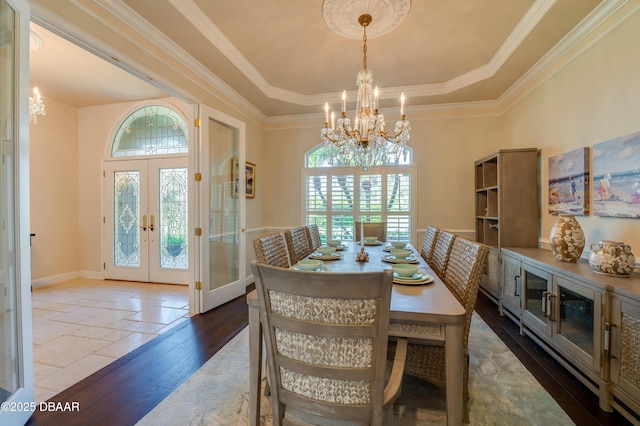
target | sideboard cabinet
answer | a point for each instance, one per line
(589, 323)
(506, 207)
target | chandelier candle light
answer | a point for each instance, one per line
(365, 143)
(36, 106)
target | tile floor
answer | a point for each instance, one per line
(82, 325)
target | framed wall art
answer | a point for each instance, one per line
(616, 177)
(250, 180)
(569, 182)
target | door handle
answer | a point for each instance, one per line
(144, 222)
(152, 220)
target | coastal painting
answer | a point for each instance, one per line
(569, 183)
(616, 177)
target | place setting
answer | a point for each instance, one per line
(408, 274)
(311, 265)
(337, 244)
(326, 253)
(400, 245)
(400, 256)
(372, 241)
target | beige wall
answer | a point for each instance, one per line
(54, 191)
(595, 98)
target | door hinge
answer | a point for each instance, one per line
(104, 174)
(197, 122)
(198, 232)
(104, 219)
(104, 265)
(198, 177)
(198, 285)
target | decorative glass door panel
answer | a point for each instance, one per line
(146, 220)
(576, 319)
(126, 211)
(173, 218)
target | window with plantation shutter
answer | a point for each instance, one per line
(336, 197)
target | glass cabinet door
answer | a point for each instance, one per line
(537, 312)
(577, 320)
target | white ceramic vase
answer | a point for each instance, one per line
(612, 258)
(567, 239)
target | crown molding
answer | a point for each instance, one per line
(195, 15)
(566, 50)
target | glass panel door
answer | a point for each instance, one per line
(16, 350)
(221, 215)
(146, 220)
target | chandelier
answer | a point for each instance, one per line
(364, 142)
(36, 106)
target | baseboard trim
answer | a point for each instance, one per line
(56, 279)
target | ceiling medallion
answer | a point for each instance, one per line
(342, 16)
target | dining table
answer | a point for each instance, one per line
(418, 311)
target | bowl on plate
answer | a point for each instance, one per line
(405, 270)
(370, 239)
(326, 250)
(333, 243)
(399, 244)
(400, 253)
(309, 264)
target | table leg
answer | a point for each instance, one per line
(454, 354)
(255, 363)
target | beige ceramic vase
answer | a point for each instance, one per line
(567, 239)
(612, 258)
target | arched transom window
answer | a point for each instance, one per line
(151, 130)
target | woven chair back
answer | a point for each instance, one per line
(464, 271)
(272, 250)
(441, 252)
(326, 337)
(313, 235)
(371, 229)
(297, 243)
(429, 242)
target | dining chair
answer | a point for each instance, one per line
(326, 339)
(313, 235)
(297, 243)
(429, 242)
(272, 250)
(371, 229)
(425, 359)
(441, 251)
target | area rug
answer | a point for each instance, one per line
(502, 391)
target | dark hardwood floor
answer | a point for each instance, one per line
(124, 391)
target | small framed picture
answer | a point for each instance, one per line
(250, 180)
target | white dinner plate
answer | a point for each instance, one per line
(325, 256)
(320, 269)
(341, 247)
(373, 243)
(426, 280)
(392, 259)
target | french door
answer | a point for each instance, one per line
(145, 222)
(221, 209)
(16, 348)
